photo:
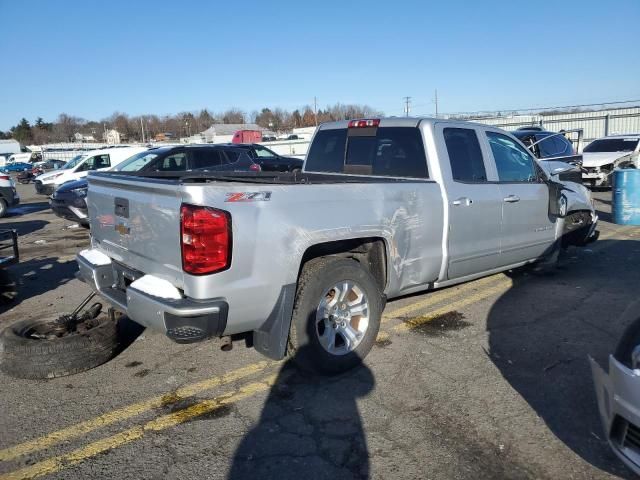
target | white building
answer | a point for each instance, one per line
(112, 137)
(80, 137)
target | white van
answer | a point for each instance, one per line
(81, 165)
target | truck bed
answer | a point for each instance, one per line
(280, 178)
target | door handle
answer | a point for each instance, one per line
(512, 199)
(462, 201)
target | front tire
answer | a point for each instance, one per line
(336, 315)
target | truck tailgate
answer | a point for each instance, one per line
(137, 222)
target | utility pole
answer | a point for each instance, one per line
(142, 128)
(436, 100)
(315, 109)
(407, 102)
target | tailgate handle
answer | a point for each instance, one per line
(122, 207)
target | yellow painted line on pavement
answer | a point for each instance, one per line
(55, 464)
(127, 412)
(144, 406)
(58, 463)
(465, 302)
(439, 296)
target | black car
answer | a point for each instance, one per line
(544, 144)
(69, 200)
(269, 160)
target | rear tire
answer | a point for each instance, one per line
(3, 207)
(353, 333)
(24, 356)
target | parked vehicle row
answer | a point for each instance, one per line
(383, 207)
(69, 198)
(81, 165)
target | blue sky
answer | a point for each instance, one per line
(90, 58)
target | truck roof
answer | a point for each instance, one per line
(396, 122)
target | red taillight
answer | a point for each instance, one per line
(205, 235)
(371, 122)
(4, 177)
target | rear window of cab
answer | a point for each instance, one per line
(383, 152)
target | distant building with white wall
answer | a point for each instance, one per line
(112, 137)
(81, 137)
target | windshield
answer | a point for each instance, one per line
(612, 145)
(74, 161)
(136, 162)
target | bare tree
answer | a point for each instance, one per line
(65, 128)
(233, 115)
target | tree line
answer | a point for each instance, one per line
(183, 124)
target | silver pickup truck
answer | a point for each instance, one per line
(303, 263)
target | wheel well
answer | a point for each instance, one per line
(370, 252)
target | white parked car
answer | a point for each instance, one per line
(8, 195)
(81, 165)
(601, 156)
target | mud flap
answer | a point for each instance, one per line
(271, 338)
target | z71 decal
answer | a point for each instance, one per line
(248, 197)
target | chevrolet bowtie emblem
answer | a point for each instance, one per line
(122, 229)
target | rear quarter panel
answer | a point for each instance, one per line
(271, 237)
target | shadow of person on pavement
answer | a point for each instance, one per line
(541, 333)
(310, 428)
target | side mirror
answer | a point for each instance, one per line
(558, 204)
(559, 170)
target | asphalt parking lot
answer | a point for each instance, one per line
(489, 379)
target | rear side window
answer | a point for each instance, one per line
(554, 146)
(172, 163)
(385, 151)
(205, 157)
(230, 156)
(465, 155)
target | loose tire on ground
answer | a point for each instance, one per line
(22, 356)
(317, 277)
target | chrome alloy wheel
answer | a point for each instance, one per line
(342, 318)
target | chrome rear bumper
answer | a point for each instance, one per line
(184, 320)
